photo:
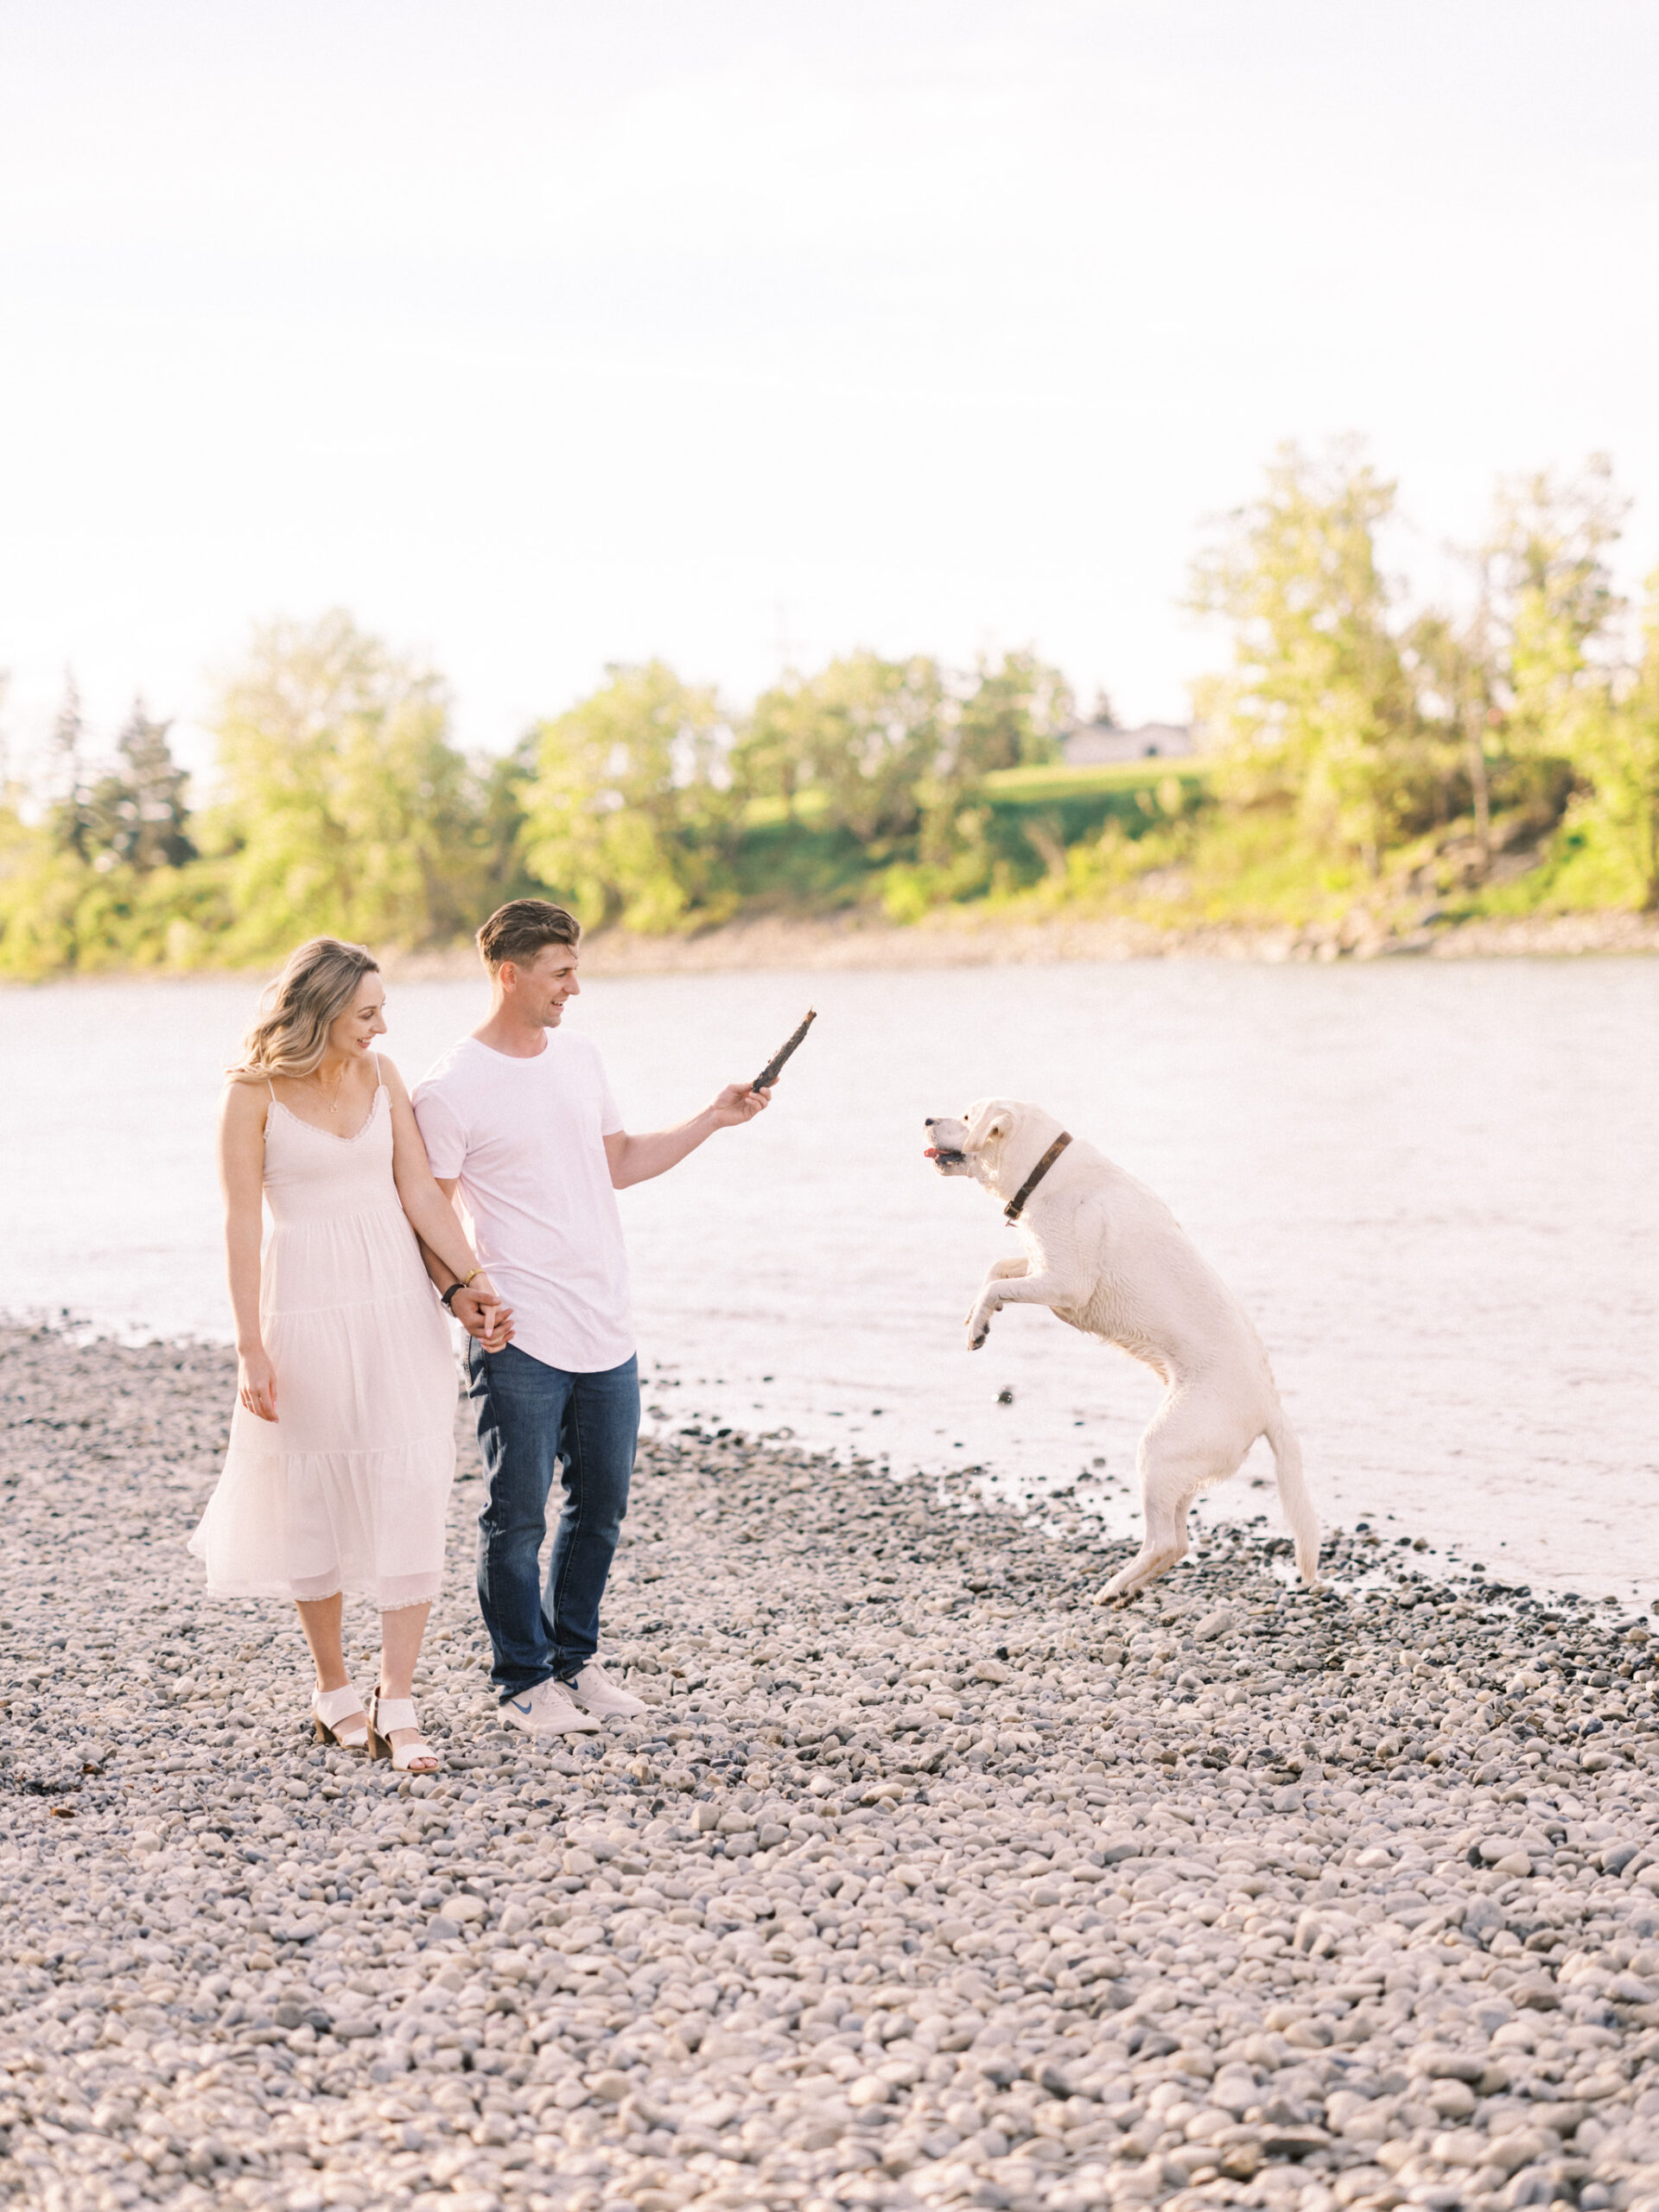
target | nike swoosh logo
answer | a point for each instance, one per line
(519, 1704)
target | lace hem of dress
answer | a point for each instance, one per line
(286, 1593)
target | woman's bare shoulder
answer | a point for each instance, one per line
(243, 1104)
(393, 1081)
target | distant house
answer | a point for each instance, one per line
(1092, 745)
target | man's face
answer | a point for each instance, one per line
(540, 987)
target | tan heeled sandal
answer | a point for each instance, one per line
(331, 1711)
(386, 1713)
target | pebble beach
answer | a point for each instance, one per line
(924, 1881)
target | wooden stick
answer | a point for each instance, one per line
(774, 1067)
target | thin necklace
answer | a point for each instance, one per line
(333, 1105)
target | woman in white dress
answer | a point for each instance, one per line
(342, 1441)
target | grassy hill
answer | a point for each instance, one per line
(1030, 817)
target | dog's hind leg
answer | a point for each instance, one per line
(1183, 1451)
(1293, 1498)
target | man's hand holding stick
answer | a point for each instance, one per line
(775, 1065)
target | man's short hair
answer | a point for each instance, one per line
(519, 931)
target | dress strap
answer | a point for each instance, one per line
(379, 1079)
(271, 1087)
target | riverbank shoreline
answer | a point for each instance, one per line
(963, 938)
(922, 1881)
(953, 939)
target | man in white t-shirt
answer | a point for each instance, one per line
(520, 1119)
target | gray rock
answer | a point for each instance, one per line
(931, 1903)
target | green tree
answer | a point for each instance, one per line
(1317, 711)
(1011, 715)
(347, 806)
(504, 785)
(1618, 749)
(773, 755)
(630, 814)
(1014, 717)
(20, 842)
(124, 903)
(70, 816)
(1556, 606)
(11, 791)
(136, 813)
(867, 734)
(1448, 657)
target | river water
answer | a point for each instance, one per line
(1435, 1187)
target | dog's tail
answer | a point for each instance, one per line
(1292, 1495)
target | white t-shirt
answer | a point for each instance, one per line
(524, 1138)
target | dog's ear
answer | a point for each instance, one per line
(996, 1128)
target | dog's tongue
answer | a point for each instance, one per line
(932, 1152)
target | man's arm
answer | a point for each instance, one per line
(636, 1160)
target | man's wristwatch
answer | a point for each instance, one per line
(445, 1296)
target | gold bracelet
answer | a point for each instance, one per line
(471, 1278)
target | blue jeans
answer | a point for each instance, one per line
(534, 1421)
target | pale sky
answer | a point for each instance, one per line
(543, 335)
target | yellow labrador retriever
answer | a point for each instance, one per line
(1108, 1256)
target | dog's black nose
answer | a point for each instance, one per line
(929, 1122)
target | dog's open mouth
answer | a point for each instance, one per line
(943, 1158)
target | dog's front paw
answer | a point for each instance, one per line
(979, 1323)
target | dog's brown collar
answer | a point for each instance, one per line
(1015, 1207)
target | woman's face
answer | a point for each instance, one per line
(355, 1032)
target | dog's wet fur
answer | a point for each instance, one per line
(1108, 1256)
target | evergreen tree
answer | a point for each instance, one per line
(137, 814)
(73, 827)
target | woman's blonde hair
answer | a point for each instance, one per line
(315, 987)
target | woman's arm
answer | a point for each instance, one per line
(242, 1180)
(444, 1248)
(478, 1307)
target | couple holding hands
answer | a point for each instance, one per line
(342, 1441)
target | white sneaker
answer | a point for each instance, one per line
(595, 1692)
(547, 1710)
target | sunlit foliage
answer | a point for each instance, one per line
(347, 807)
(1369, 760)
(631, 813)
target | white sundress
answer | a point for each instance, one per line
(347, 1489)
